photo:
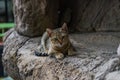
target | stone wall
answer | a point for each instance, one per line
(96, 15)
(96, 57)
(32, 17)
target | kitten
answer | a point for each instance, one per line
(56, 42)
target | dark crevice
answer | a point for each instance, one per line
(64, 12)
(8, 33)
(97, 15)
(83, 11)
(22, 44)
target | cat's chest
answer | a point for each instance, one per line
(62, 49)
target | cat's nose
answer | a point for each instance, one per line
(60, 42)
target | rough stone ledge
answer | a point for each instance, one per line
(96, 59)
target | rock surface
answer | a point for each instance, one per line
(113, 76)
(96, 59)
(96, 15)
(32, 17)
(118, 50)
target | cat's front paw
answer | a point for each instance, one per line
(59, 56)
(71, 52)
(46, 51)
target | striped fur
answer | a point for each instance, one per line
(55, 42)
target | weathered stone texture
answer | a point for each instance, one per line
(118, 50)
(32, 17)
(96, 58)
(96, 15)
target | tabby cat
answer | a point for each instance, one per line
(56, 43)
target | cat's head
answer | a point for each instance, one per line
(58, 37)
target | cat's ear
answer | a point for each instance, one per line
(64, 27)
(49, 32)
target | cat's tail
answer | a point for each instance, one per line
(40, 53)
